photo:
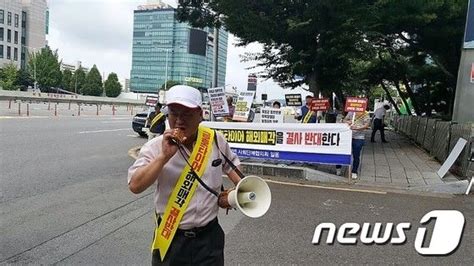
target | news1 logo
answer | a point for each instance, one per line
(445, 238)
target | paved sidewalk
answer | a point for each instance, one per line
(401, 164)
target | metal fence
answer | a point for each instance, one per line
(438, 138)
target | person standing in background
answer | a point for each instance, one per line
(360, 124)
(230, 101)
(156, 120)
(306, 115)
(379, 116)
(276, 105)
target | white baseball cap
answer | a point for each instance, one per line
(184, 95)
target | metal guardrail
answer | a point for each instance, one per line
(441, 140)
(465, 131)
(429, 134)
(65, 98)
(438, 138)
(415, 121)
(420, 134)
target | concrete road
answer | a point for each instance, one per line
(64, 199)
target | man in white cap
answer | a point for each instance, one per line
(187, 230)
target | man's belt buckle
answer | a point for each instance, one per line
(190, 234)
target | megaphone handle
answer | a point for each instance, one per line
(232, 165)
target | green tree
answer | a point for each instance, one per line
(169, 84)
(413, 37)
(330, 44)
(8, 76)
(93, 84)
(66, 80)
(47, 65)
(77, 81)
(315, 40)
(24, 79)
(113, 88)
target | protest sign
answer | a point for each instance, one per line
(271, 115)
(293, 100)
(242, 107)
(354, 104)
(319, 105)
(218, 101)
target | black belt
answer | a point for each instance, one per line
(196, 231)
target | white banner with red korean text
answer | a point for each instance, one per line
(303, 143)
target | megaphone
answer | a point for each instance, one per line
(251, 196)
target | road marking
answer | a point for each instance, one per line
(104, 130)
(21, 117)
(112, 122)
(325, 187)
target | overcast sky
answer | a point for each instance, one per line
(100, 32)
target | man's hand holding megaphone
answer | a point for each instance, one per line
(223, 200)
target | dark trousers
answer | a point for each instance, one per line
(203, 246)
(357, 145)
(378, 125)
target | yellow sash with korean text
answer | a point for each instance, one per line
(183, 191)
(157, 118)
(307, 117)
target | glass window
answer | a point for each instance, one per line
(1, 51)
(2, 17)
(23, 19)
(16, 37)
(1, 34)
(9, 52)
(9, 36)
(17, 20)
(9, 19)
(15, 54)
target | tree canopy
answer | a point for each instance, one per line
(46, 65)
(93, 83)
(113, 88)
(78, 80)
(66, 80)
(336, 46)
(8, 77)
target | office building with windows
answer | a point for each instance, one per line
(23, 29)
(165, 49)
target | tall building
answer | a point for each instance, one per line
(252, 82)
(23, 27)
(73, 67)
(165, 49)
(125, 85)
